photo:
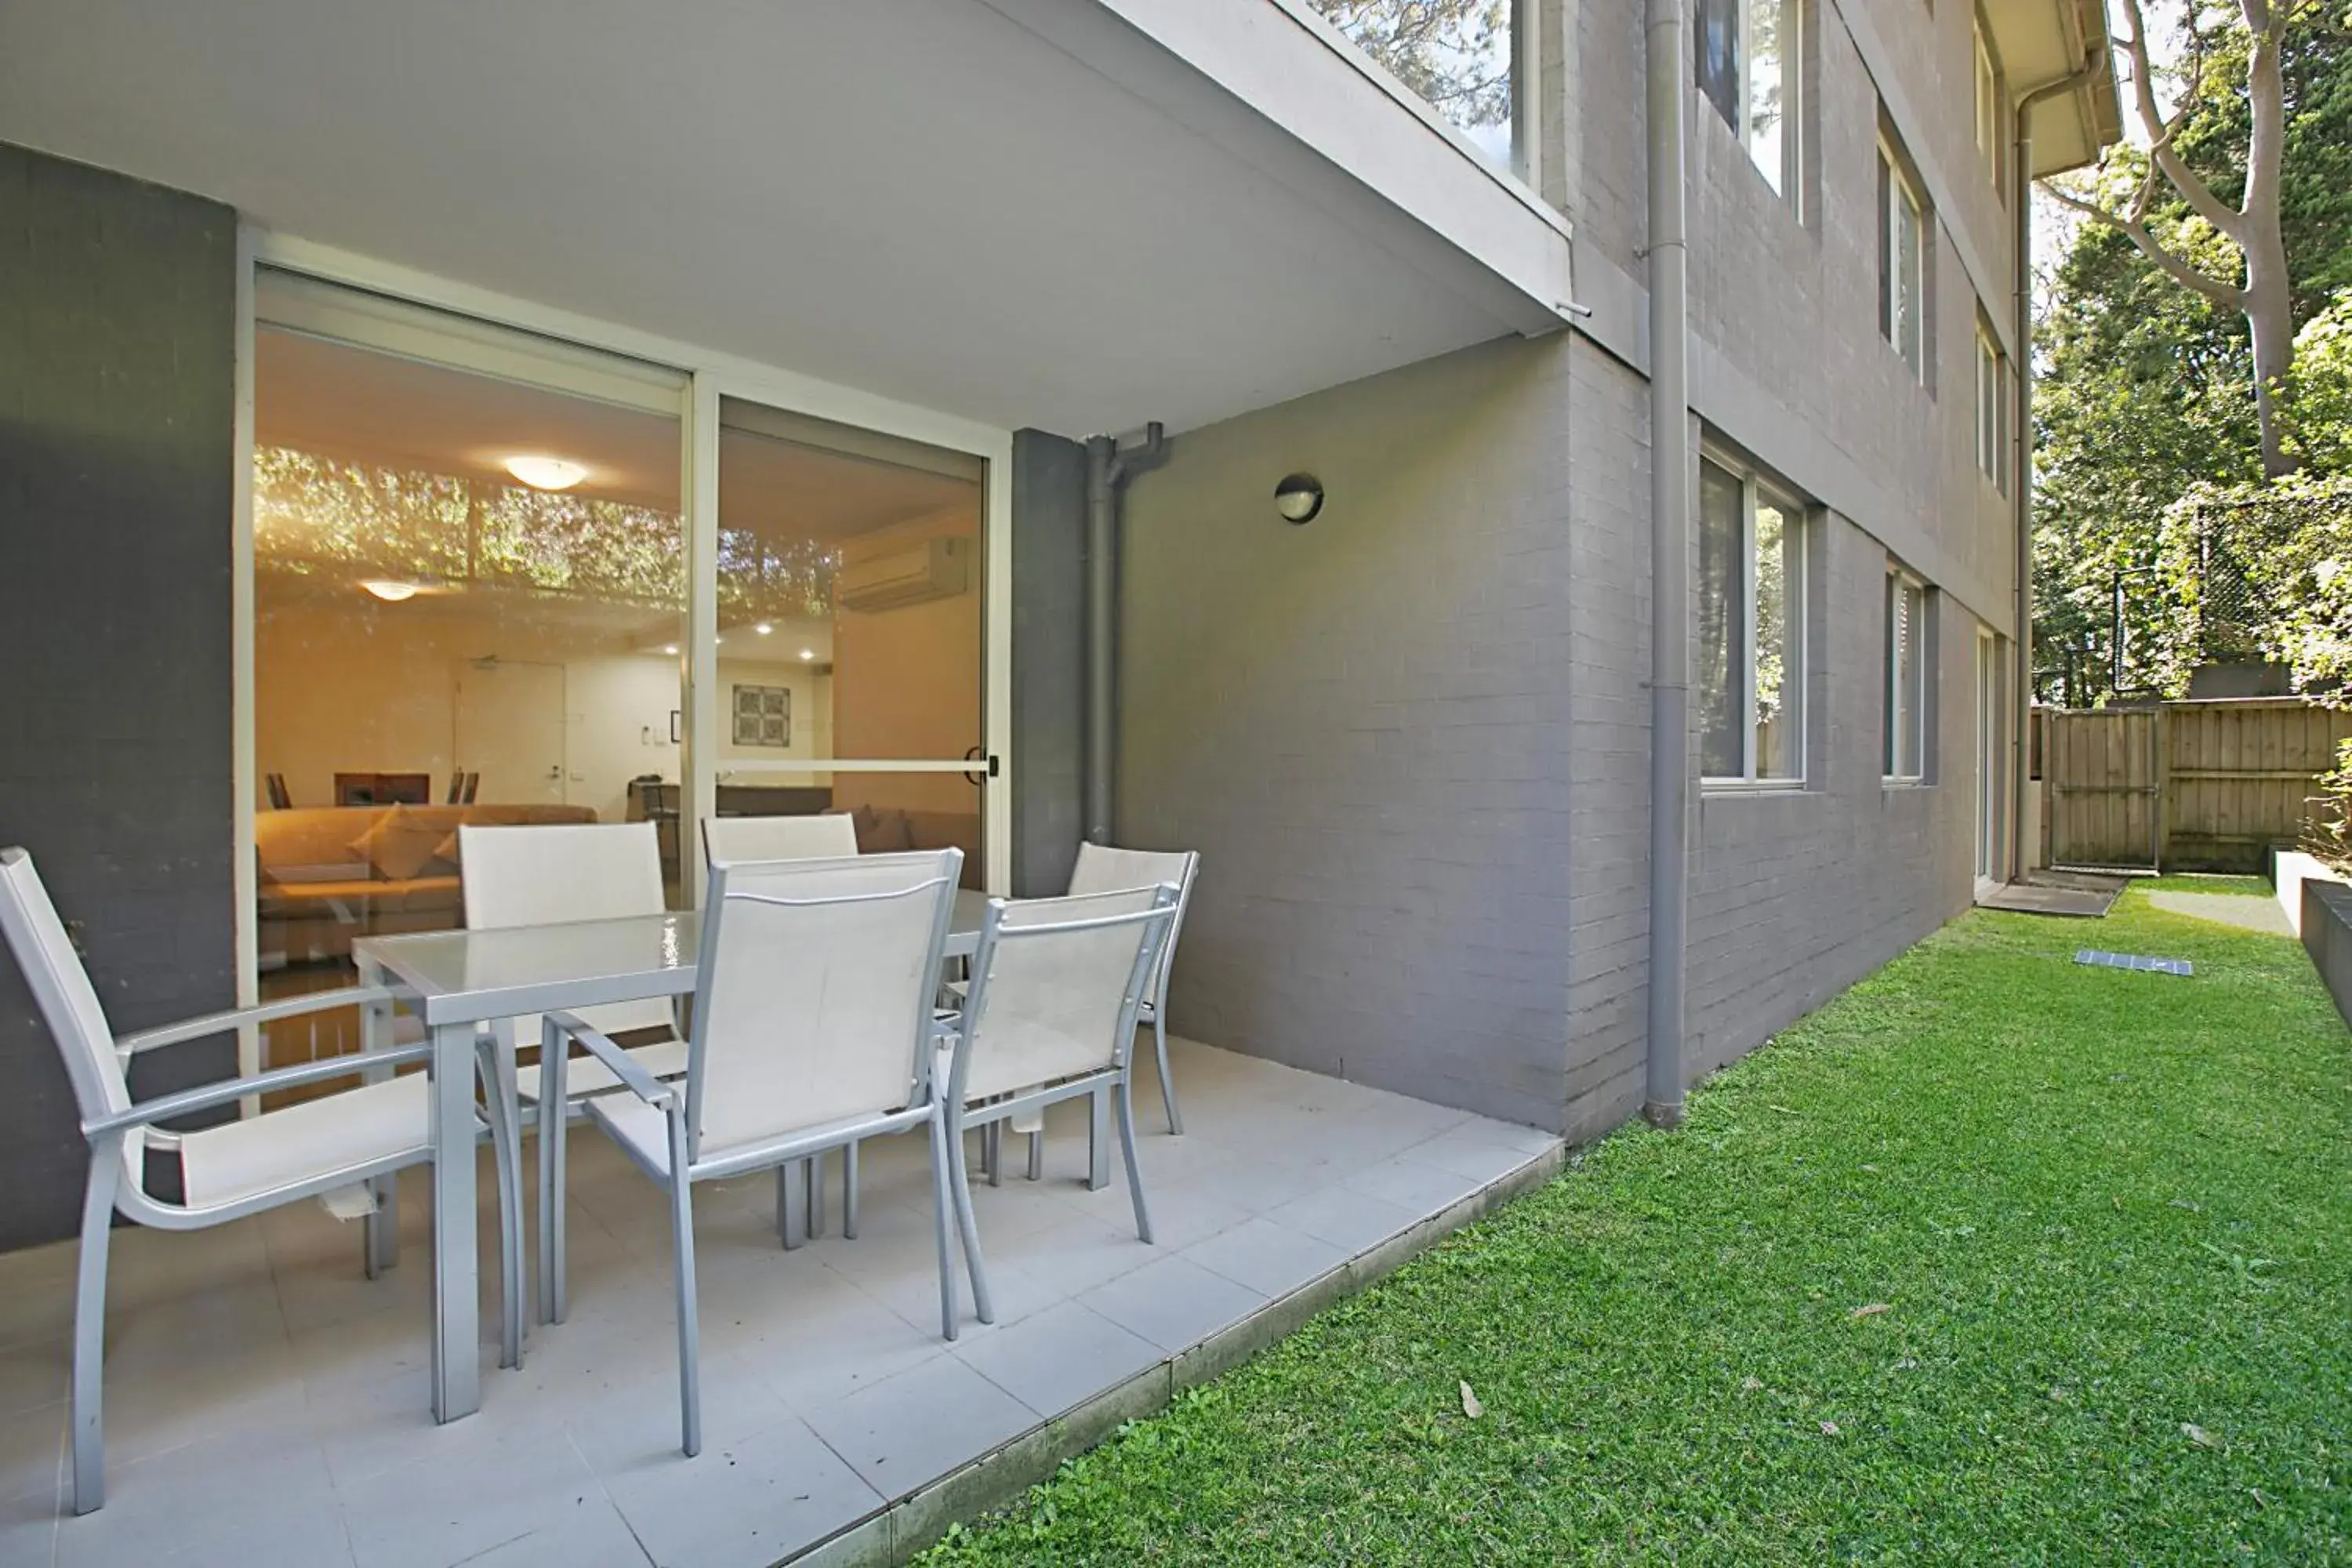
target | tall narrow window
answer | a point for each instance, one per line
(1989, 107)
(1751, 630)
(1747, 53)
(1906, 679)
(1992, 409)
(1465, 59)
(1902, 243)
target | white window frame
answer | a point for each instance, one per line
(1906, 333)
(1903, 705)
(1799, 521)
(1992, 409)
(1792, 93)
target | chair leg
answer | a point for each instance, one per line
(966, 1223)
(689, 1348)
(380, 1231)
(1134, 1169)
(849, 1192)
(815, 1178)
(790, 1229)
(1099, 1139)
(1037, 1155)
(555, 1219)
(89, 1326)
(1167, 1082)
(550, 1208)
(504, 1115)
(942, 1164)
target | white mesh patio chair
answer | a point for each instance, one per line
(812, 1028)
(230, 1170)
(826, 835)
(1101, 869)
(552, 874)
(1051, 1014)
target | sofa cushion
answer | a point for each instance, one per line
(398, 846)
(881, 832)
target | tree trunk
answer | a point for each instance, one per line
(2269, 298)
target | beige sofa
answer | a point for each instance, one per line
(331, 873)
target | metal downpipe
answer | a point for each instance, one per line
(1109, 468)
(1669, 563)
(2020, 704)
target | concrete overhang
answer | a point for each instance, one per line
(2044, 41)
(1077, 215)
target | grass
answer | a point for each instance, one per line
(1994, 1259)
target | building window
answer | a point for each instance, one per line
(1746, 61)
(1467, 59)
(1906, 679)
(1902, 279)
(1992, 409)
(1989, 107)
(1751, 630)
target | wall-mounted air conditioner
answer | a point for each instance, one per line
(934, 569)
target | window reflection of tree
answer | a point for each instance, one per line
(315, 515)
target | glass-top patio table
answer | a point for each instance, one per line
(454, 982)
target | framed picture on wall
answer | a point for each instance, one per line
(763, 715)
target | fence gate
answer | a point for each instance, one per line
(2191, 786)
(2104, 783)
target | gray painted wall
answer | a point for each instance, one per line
(1412, 740)
(1049, 570)
(1362, 725)
(117, 394)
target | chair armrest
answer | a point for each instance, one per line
(206, 1096)
(237, 1018)
(637, 1081)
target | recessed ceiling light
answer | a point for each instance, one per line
(764, 628)
(808, 653)
(546, 473)
(391, 590)
(670, 649)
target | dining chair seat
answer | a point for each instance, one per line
(355, 1130)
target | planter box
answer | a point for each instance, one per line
(2327, 937)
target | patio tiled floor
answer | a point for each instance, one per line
(265, 1403)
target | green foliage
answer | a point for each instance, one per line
(2104, 1214)
(2145, 389)
(1456, 54)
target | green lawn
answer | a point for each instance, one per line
(1995, 1259)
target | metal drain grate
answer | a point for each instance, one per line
(2134, 961)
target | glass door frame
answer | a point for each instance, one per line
(712, 375)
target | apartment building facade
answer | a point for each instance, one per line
(1406, 712)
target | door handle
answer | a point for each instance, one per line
(976, 777)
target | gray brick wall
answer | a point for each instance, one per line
(1363, 726)
(117, 315)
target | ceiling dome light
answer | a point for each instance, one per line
(808, 653)
(670, 649)
(1298, 498)
(764, 628)
(546, 473)
(391, 590)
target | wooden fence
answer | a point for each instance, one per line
(2188, 786)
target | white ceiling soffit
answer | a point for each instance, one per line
(2041, 41)
(1058, 213)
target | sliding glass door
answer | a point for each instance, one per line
(851, 631)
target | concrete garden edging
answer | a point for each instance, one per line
(2318, 904)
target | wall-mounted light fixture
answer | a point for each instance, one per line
(1298, 498)
(391, 590)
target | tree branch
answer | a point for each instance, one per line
(2186, 274)
(2194, 191)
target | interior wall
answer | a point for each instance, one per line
(118, 316)
(907, 681)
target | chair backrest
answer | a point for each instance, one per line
(830, 836)
(1102, 868)
(280, 798)
(1055, 984)
(553, 873)
(472, 788)
(815, 1000)
(60, 987)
